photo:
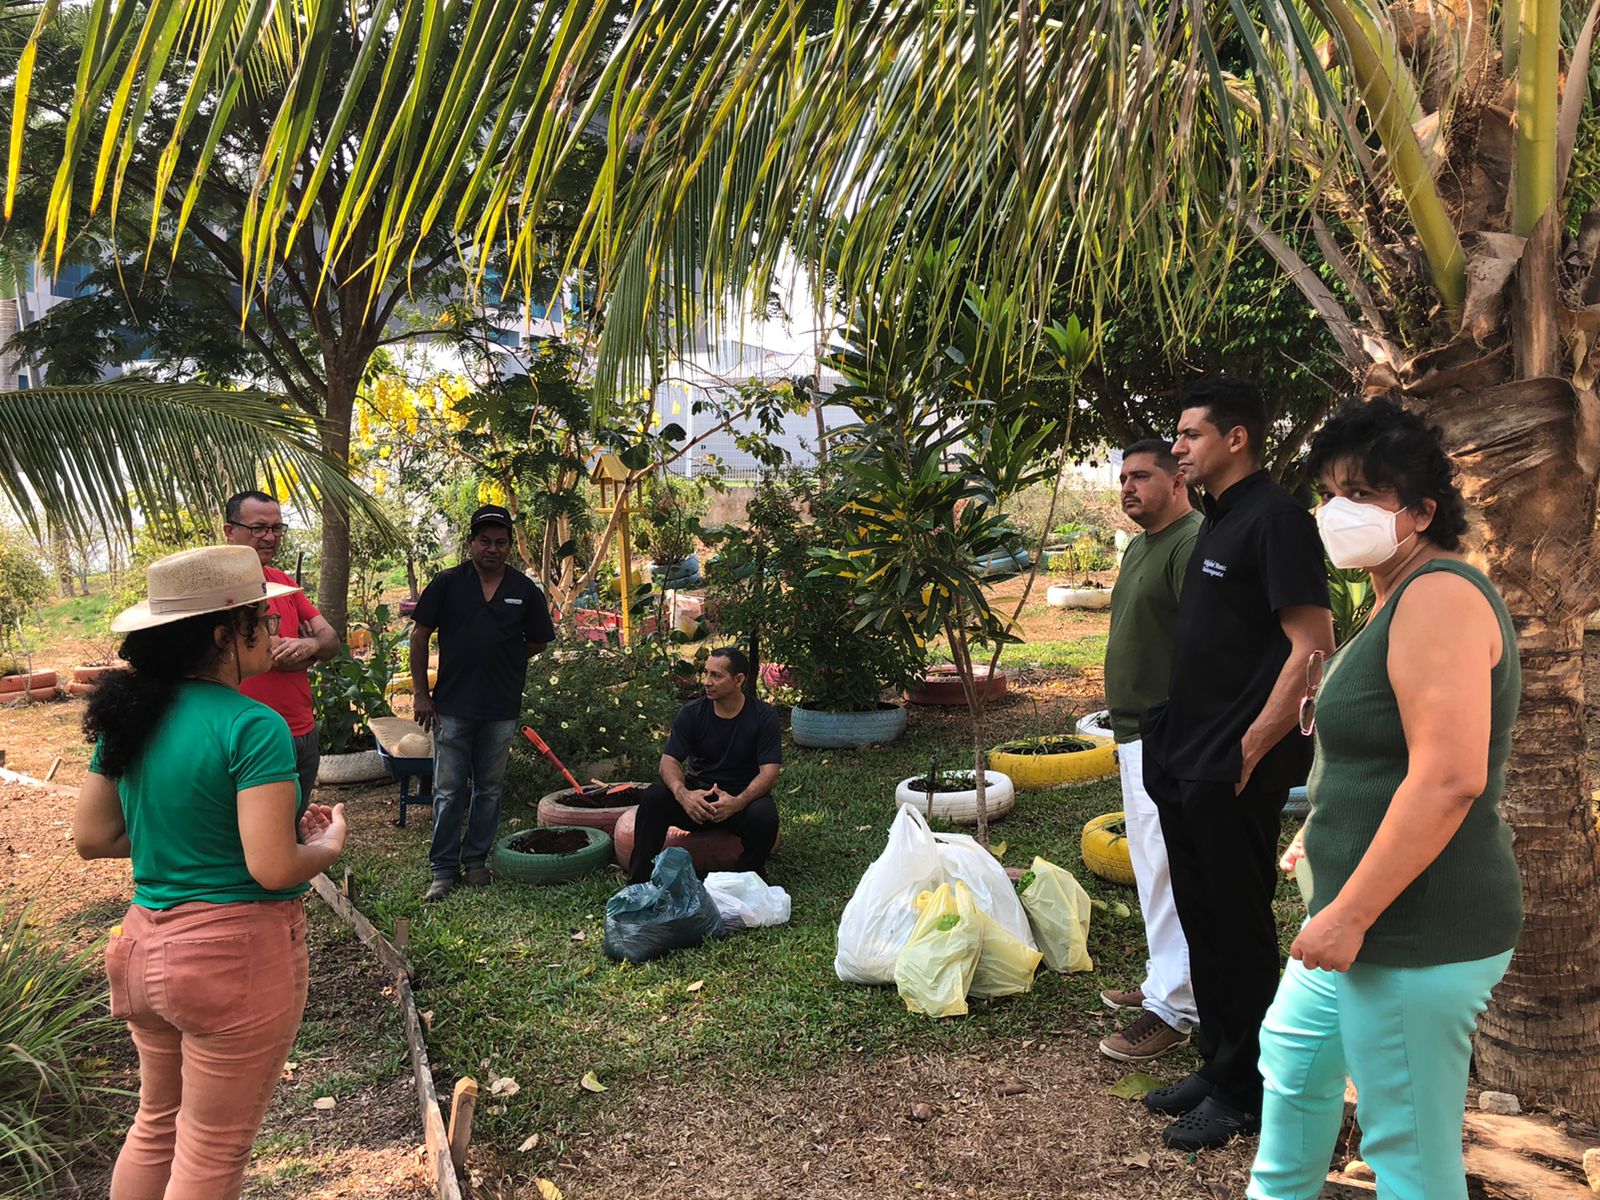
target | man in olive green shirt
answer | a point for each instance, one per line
(1144, 614)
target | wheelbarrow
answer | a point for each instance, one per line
(407, 771)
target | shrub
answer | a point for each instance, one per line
(24, 585)
(54, 1035)
(596, 701)
(346, 691)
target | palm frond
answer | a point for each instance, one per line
(79, 454)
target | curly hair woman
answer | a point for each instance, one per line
(1416, 902)
(197, 785)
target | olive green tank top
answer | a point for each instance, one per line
(1466, 904)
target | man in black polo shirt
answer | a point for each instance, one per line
(718, 769)
(491, 620)
(1223, 751)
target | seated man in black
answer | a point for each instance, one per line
(717, 771)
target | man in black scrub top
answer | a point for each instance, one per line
(718, 769)
(1223, 751)
(491, 620)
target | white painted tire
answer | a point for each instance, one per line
(1096, 724)
(961, 807)
(1061, 596)
(361, 767)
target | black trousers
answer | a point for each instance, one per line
(1223, 853)
(756, 825)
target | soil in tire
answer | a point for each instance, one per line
(621, 798)
(550, 841)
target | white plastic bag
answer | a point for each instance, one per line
(878, 920)
(964, 858)
(745, 901)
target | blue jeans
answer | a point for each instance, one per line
(469, 771)
(1404, 1034)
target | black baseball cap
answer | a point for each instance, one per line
(491, 514)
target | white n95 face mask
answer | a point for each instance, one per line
(1357, 535)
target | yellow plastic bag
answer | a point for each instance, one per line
(934, 970)
(1058, 909)
(1005, 963)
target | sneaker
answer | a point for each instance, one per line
(1181, 1097)
(1211, 1125)
(1148, 1037)
(478, 877)
(1115, 998)
(439, 889)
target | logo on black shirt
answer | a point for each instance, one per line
(1214, 569)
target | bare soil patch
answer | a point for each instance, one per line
(1028, 1120)
(33, 735)
(550, 841)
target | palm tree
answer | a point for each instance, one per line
(1428, 150)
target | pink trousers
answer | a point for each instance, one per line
(213, 995)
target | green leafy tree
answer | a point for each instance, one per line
(24, 586)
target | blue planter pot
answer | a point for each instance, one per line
(1005, 564)
(680, 576)
(834, 730)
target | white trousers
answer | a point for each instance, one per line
(1167, 989)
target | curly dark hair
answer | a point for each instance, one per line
(126, 706)
(1395, 448)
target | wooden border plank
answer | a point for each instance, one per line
(441, 1167)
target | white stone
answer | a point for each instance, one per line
(1503, 1103)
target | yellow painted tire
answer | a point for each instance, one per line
(1040, 772)
(1105, 848)
(402, 685)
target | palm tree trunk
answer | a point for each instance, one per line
(1526, 451)
(333, 584)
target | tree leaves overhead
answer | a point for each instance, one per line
(79, 452)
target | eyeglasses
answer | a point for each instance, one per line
(1308, 702)
(271, 622)
(260, 531)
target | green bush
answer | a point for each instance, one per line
(54, 1035)
(346, 691)
(598, 702)
(24, 586)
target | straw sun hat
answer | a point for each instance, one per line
(191, 582)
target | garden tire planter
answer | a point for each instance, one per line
(1105, 848)
(518, 866)
(959, 806)
(1298, 804)
(363, 766)
(709, 849)
(1096, 724)
(36, 695)
(942, 686)
(1043, 769)
(1061, 596)
(35, 682)
(840, 730)
(1004, 564)
(553, 810)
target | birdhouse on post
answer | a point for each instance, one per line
(610, 479)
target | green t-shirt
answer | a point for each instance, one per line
(180, 799)
(1144, 613)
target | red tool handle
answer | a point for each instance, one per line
(543, 748)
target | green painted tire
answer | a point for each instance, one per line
(518, 867)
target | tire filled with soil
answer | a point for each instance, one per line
(553, 855)
(1058, 760)
(599, 810)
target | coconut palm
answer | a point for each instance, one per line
(1439, 155)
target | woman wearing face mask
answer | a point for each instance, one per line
(1416, 901)
(197, 785)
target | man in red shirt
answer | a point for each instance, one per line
(254, 519)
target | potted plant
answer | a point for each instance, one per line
(774, 594)
(346, 692)
(103, 658)
(1036, 764)
(953, 795)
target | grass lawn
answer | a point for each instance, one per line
(518, 985)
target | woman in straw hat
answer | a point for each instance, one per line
(196, 784)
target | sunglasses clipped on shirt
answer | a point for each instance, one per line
(1308, 702)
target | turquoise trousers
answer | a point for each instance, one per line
(1404, 1035)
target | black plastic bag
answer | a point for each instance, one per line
(671, 912)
